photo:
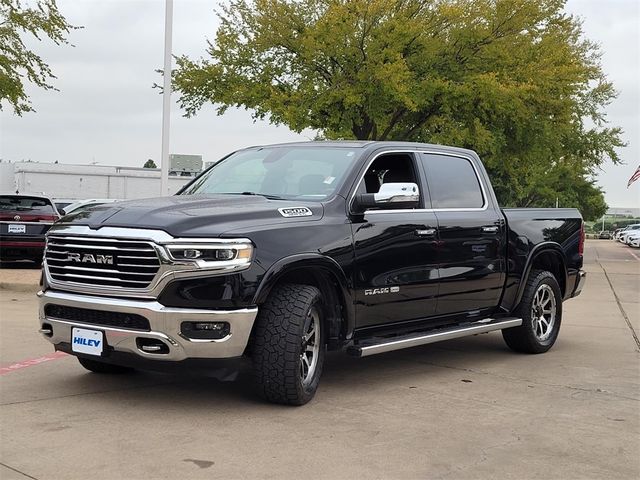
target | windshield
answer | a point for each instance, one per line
(279, 172)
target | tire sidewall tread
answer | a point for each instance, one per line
(276, 344)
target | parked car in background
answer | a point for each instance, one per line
(630, 236)
(84, 204)
(24, 221)
(635, 242)
(619, 232)
(622, 236)
(604, 235)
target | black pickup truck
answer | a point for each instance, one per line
(279, 253)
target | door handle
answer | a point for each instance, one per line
(427, 232)
(490, 229)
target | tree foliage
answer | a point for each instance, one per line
(512, 79)
(18, 64)
(150, 164)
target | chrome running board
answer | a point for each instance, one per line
(375, 345)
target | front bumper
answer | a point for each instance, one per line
(164, 327)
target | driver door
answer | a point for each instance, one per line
(396, 270)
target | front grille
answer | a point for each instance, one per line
(101, 261)
(97, 317)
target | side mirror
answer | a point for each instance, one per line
(391, 195)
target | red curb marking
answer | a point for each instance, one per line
(31, 362)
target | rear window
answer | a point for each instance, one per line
(453, 182)
(13, 203)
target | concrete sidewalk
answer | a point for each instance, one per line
(19, 276)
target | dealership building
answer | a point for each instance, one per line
(78, 182)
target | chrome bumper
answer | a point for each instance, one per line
(165, 326)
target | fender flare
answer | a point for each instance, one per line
(310, 261)
(535, 253)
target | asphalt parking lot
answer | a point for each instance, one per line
(467, 408)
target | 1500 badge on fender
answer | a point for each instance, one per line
(378, 291)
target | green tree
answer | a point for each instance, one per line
(150, 164)
(512, 79)
(18, 64)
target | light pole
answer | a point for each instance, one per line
(166, 99)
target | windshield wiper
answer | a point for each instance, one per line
(265, 195)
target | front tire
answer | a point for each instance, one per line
(102, 367)
(541, 313)
(288, 346)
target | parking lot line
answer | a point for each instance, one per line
(634, 255)
(32, 362)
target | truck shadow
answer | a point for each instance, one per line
(343, 376)
(19, 265)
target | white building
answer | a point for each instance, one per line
(57, 180)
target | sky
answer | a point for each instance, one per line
(106, 111)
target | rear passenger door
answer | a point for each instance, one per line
(471, 253)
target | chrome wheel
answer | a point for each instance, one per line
(310, 346)
(543, 312)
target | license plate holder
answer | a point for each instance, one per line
(89, 342)
(17, 228)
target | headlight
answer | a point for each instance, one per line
(217, 256)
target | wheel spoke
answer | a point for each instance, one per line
(310, 333)
(543, 295)
(304, 366)
(545, 326)
(537, 298)
(302, 370)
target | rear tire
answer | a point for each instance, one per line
(541, 313)
(102, 367)
(288, 345)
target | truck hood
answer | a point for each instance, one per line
(194, 215)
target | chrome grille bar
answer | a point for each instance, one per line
(102, 271)
(101, 247)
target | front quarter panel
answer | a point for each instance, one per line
(325, 241)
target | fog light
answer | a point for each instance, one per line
(209, 326)
(205, 330)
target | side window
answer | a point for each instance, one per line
(390, 168)
(453, 182)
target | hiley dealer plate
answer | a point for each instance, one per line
(86, 341)
(16, 228)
